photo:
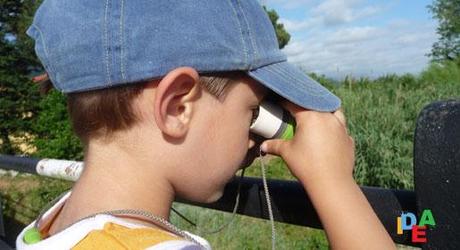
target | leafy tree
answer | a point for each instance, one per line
(448, 14)
(17, 60)
(53, 130)
(281, 33)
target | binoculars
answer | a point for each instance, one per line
(273, 122)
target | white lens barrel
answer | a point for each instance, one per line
(269, 121)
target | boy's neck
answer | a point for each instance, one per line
(116, 182)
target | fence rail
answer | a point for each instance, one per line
(436, 179)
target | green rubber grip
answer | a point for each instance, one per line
(288, 132)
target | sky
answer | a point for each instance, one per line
(357, 37)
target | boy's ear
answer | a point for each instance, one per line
(174, 101)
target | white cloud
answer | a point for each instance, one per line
(331, 13)
(287, 4)
(365, 51)
(352, 35)
(334, 11)
(293, 26)
(342, 37)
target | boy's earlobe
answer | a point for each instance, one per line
(174, 101)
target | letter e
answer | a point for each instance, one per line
(418, 234)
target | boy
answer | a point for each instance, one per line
(162, 93)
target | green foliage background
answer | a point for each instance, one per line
(447, 12)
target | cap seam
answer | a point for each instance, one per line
(254, 48)
(106, 45)
(281, 58)
(282, 73)
(245, 50)
(122, 49)
(45, 49)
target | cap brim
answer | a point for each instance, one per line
(291, 83)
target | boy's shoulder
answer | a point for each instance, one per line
(106, 232)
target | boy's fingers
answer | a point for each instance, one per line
(274, 146)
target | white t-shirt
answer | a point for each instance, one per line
(78, 233)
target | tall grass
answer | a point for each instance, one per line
(382, 116)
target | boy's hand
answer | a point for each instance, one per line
(321, 149)
(321, 156)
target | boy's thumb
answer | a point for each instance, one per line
(274, 146)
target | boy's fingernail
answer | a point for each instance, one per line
(263, 149)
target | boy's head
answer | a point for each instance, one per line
(174, 81)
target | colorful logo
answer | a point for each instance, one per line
(408, 221)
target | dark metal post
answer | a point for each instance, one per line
(437, 172)
(2, 227)
(3, 244)
(20, 164)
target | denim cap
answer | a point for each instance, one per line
(87, 44)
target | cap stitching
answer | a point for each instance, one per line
(122, 49)
(250, 33)
(45, 49)
(245, 50)
(281, 73)
(279, 91)
(276, 59)
(286, 73)
(106, 40)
